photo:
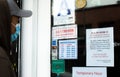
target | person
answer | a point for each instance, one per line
(5, 34)
(16, 14)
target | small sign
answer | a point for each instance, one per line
(89, 72)
(54, 42)
(68, 49)
(58, 66)
(100, 47)
(54, 50)
(63, 32)
(54, 53)
(63, 12)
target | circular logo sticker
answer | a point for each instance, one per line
(80, 3)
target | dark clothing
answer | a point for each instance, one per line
(5, 65)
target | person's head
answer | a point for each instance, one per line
(5, 22)
(17, 13)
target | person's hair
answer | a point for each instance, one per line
(5, 29)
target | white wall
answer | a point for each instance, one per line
(35, 40)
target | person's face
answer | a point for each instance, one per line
(14, 21)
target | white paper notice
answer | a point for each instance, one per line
(100, 47)
(68, 49)
(89, 72)
(63, 11)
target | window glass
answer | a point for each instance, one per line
(103, 23)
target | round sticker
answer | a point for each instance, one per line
(80, 3)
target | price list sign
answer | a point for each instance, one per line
(68, 49)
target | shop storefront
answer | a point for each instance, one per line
(85, 38)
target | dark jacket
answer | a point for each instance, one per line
(5, 65)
